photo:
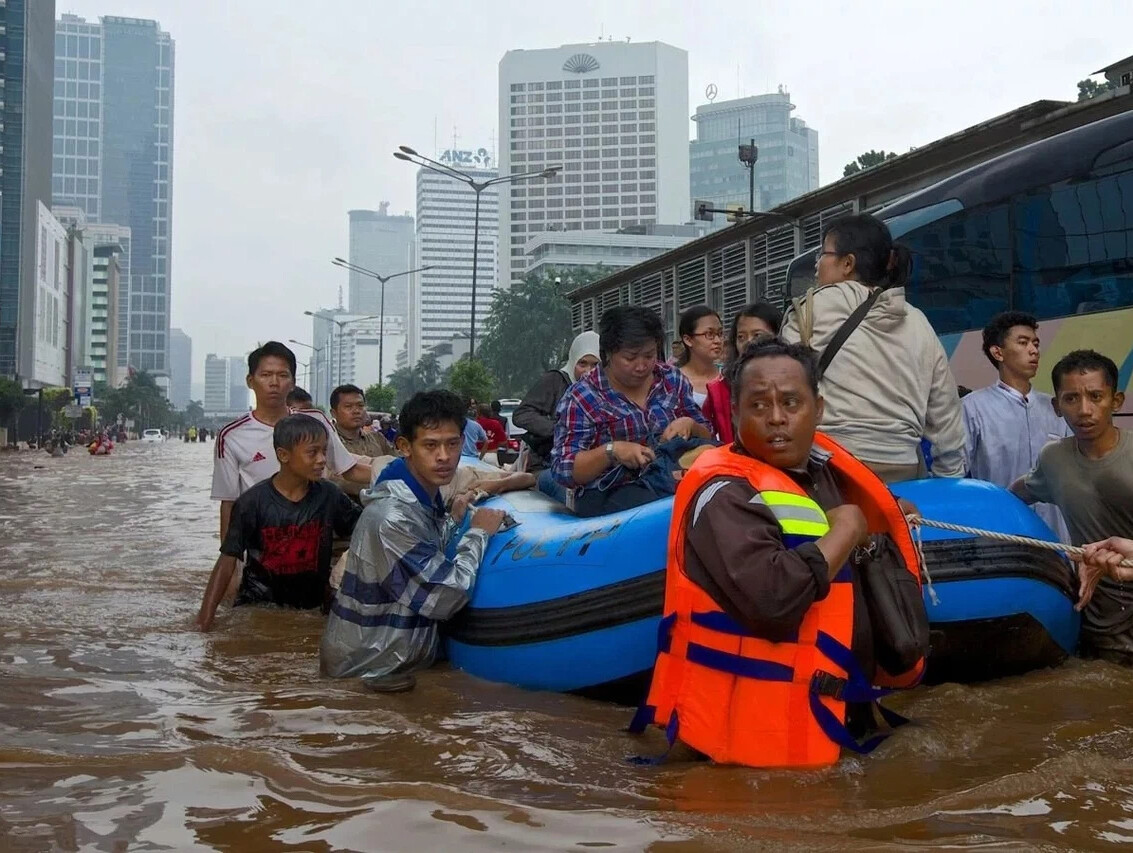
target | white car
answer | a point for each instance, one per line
(153, 435)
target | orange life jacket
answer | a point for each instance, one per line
(741, 699)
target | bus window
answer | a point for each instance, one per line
(1074, 247)
(961, 275)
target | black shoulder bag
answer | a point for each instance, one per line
(845, 330)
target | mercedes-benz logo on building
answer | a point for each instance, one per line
(581, 63)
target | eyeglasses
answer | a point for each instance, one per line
(711, 334)
(826, 252)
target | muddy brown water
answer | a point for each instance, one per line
(123, 729)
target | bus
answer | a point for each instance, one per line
(1046, 229)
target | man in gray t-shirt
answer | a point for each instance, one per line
(1090, 478)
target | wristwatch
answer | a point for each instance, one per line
(610, 457)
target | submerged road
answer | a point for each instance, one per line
(122, 728)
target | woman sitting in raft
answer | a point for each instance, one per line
(611, 420)
(760, 583)
(754, 320)
(889, 385)
(702, 335)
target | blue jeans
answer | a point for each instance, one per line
(548, 486)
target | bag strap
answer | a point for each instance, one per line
(845, 330)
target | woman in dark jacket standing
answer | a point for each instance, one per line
(536, 413)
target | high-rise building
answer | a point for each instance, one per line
(615, 116)
(217, 387)
(597, 251)
(78, 264)
(446, 216)
(787, 165)
(180, 368)
(26, 50)
(363, 350)
(49, 347)
(383, 244)
(238, 392)
(106, 287)
(113, 156)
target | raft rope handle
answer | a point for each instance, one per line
(916, 522)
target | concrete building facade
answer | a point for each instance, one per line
(615, 116)
(571, 251)
(383, 244)
(441, 302)
(180, 368)
(102, 341)
(217, 385)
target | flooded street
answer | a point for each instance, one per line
(122, 728)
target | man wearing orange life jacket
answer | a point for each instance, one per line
(766, 653)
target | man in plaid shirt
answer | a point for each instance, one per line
(609, 422)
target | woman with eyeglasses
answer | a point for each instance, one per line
(702, 334)
(755, 320)
(889, 385)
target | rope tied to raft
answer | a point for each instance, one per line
(916, 522)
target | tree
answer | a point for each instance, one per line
(139, 400)
(380, 398)
(12, 401)
(528, 329)
(470, 378)
(867, 160)
(1091, 89)
(428, 370)
(194, 412)
(404, 382)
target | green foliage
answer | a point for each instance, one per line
(12, 400)
(380, 398)
(528, 330)
(867, 160)
(141, 401)
(1091, 89)
(194, 412)
(471, 378)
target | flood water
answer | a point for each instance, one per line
(122, 728)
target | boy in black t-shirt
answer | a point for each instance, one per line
(283, 527)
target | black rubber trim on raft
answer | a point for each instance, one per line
(593, 610)
(643, 597)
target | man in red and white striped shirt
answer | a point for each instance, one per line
(245, 452)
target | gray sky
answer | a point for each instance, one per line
(287, 112)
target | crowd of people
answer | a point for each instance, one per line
(776, 436)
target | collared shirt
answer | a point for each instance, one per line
(398, 469)
(365, 443)
(1005, 431)
(592, 413)
(474, 437)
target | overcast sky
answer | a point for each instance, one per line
(287, 112)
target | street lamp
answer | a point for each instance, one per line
(410, 156)
(341, 325)
(316, 360)
(339, 262)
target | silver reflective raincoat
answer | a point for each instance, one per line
(398, 582)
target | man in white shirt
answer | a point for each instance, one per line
(1008, 423)
(245, 451)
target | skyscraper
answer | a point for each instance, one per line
(238, 383)
(615, 115)
(788, 152)
(113, 155)
(25, 136)
(446, 210)
(180, 368)
(216, 384)
(384, 244)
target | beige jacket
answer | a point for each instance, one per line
(890, 384)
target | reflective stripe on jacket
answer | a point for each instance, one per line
(741, 699)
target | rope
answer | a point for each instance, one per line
(915, 522)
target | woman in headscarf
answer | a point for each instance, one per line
(536, 413)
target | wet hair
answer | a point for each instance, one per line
(271, 348)
(629, 327)
(1081, 361)
(294, 430)
(761, 310)
(339, 392)
(297, 397)
(773, 348)
(687, 326)
(995, 332)
(431, 409)
(878, 261)
(497, 407)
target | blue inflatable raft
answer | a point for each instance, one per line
(570, 604)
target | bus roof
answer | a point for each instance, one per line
(1046, 161)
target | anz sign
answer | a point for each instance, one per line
(478, 159)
